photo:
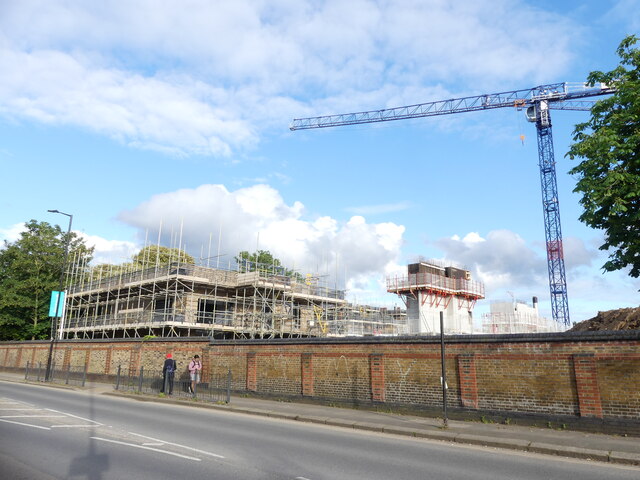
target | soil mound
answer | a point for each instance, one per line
(621, 319)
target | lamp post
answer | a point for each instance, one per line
(59, 307)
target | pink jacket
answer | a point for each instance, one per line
(194, 366)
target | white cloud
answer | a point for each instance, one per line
(377, 209)
(11, 234)
(148, 112)
(504, 262)
(626, 12)
(211, 78)
(105, 251)
(109, 251)
(257, 217)
(501, 260)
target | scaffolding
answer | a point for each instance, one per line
(432, 288)
(517, 317)
(244, 300)
(182, 299)
(365, 320)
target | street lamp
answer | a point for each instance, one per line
(59, 307)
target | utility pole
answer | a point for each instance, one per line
(60, 298)
(444, 374)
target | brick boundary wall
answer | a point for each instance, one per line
(591, 378)
(468, 382)
(376, 361)
(307, 374)
(585, 371)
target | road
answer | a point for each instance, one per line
(53, 433)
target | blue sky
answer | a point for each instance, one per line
(132, 115)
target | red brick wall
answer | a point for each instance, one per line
(589, 375)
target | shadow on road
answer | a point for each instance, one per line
(92, 465)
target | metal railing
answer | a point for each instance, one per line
(66, 375)
(211, 388)
(437, 282)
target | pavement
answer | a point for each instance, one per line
(591, 446)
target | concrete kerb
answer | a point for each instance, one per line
(624, 458)
(508, 443)
(52, 385)
(573, 452)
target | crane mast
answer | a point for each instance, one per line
(538, 101)
(539, 114)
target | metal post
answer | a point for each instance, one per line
(165, 383)
(84, 374)
(118, 378)
(444, 373)
(229, 386)
(68, 374)
(140, 379)
(26, 373)
(61, 284)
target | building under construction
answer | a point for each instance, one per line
(431, 288)
(517, 316)
(182, 299)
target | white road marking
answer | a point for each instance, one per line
(32, 416)
(166, 452)
(75, 416)
(73, 426)
(177, 445)
(25, 424)
(149, 444)
(301, 478)
(15, 402)
(21, 409)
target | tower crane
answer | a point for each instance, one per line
(538, 102)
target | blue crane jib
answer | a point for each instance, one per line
(538, 101)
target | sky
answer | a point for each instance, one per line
(169, 122)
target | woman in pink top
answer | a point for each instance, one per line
(195, 367)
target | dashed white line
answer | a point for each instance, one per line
(74, 416)
(32, 416)
(73, 426)
(25, 424)
(166, 452)
(177, 445)
(21, 409)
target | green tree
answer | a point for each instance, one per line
(30, 269)
(609, 174)
(153, 255)
(148, 257)
(264, 262)
(106, 270)
(261, 260)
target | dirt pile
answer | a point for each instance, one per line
(621, 319)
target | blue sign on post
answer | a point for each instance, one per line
(57, 304)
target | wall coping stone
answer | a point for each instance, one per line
(558, 337)
(199, 339)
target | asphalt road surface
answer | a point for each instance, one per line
(52, 433)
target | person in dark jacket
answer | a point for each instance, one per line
(168, 371)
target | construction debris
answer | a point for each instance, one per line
(621, 319)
